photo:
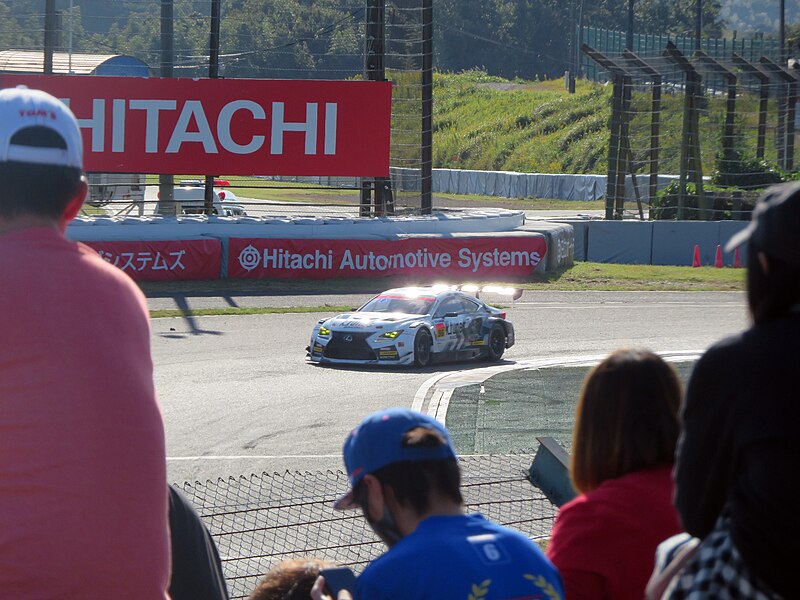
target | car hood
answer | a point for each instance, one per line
(366, 320)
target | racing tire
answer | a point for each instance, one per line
(497, 344)
(423, 342)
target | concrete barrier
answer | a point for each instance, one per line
(653, 242)
(141, 243)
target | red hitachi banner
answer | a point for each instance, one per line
(462, 258)
(163, 260)
(226, 126)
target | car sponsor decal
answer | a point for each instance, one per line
(441, 330)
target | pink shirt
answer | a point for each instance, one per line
(83, 490)
(604, 542)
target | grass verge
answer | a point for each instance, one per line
(200, 312)
(586, 276)
(579, 277)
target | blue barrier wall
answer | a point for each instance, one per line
(654, 242)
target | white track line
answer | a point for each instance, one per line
(433, 397)
(253, 457)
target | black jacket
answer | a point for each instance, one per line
(740, 447)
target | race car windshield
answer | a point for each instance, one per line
(399, 304)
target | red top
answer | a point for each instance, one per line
(83, 483)
(604, 542)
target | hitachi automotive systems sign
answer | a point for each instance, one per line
(230, 126)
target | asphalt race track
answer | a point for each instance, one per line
(238, 396)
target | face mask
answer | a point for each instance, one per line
(385, 528)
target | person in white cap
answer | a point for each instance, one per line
(739, 449)
(404, 476)
(83, 492)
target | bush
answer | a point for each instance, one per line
(724, 203)
(740, 171)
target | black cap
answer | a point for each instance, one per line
(775, 226)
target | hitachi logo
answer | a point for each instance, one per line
(193, 126)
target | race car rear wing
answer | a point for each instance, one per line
(513, 293)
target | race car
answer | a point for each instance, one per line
(413, 326)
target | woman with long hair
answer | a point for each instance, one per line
(626, 428)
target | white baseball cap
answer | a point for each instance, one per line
(21, 108)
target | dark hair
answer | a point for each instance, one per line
(770, 293)
(290, 580)
(413, 482)
(626, 418)
(37, 189)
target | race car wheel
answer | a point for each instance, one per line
(422, 348)
(497, 343)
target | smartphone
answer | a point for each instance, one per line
(340, 578)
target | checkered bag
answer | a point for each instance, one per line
(718, 571)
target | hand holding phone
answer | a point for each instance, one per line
(338, 579)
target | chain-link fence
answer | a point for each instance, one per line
(610, 41)
(259, 520)
(696, 137)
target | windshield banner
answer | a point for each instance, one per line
(163, 260)
(462, 258)
(226, 126)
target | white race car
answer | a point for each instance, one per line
(413, 326)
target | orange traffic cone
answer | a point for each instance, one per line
(718, 258)
(737, 260)
(696, 261)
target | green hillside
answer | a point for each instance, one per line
(488, 123)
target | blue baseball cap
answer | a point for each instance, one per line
(378, 441)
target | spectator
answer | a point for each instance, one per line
(83, 492)
(290, 580)
(405, 478)
(739, 448)
(626, 427)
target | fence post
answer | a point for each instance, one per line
(655, 119)
(763, 100)
(690, 138)
(787, 95)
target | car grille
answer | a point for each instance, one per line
(349, 346)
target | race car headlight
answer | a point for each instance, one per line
(390, 335)
(324, 332)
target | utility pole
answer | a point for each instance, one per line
(49, 35)
(572, 63)
(782, 34)
(578, 56)
(426, 201)
(698, 24)
(213, 73)
(629, 36)
(166, 183)
(375, 70)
